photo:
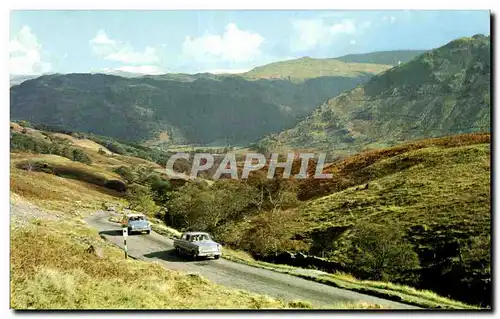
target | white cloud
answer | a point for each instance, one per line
(25, 54)
(345, 27)
(234, 45)
(139, 69)
(131, 70)
(316, 33)
(114, 50)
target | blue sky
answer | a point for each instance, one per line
(153, 42)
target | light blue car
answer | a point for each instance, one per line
(136, 223)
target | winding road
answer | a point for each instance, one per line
(155, 247)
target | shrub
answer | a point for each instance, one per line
(116, 148)
(116, 185)
(80, 156)
(381, 253)
(126, 173)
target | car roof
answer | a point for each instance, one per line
(195, 233)
(135, 215)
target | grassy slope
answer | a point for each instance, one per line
(382, 57)
(304, 68)
(428, 179)
(438, 195)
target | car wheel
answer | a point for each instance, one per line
(130, 231)
(216, 256)
(148, 232)
(194, 255)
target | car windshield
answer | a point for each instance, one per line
(136, 218)
(199, 237)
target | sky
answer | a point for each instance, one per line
(157, 42)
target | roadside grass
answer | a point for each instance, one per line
(390, 291)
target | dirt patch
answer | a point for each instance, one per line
(23, 212)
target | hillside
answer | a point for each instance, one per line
(304, 68)
(436, 192)
(172, 108)
(16, 79)
(382, 57)
(441, 92)
(417, 213)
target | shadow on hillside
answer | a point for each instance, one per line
(171, 255)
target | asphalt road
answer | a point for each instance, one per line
(155, 247)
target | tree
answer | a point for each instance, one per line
(25, 123)
(161, 188)
(186, 205)
(141, 199)
(197, 206)
(272, 231)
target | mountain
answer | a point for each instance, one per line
(382, 57)
(16, 79)
(306, 68)
(441, 92)
(173, 108)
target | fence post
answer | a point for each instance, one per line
(125, 235)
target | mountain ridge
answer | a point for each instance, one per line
(178, 106)
(442, 91)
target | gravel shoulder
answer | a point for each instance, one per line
(155, 247)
